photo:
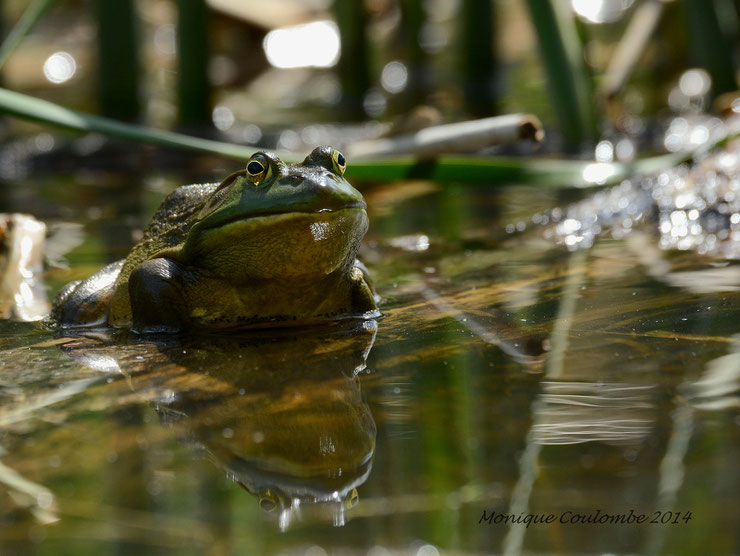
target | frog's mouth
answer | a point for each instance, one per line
(239, 218)
(326, 232)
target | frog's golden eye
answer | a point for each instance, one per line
(340, 164)
(258, 170)
(268, 501)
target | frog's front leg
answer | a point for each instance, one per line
(364, 298)
(157, 299)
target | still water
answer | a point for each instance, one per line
(515, 397)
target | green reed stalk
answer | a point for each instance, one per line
(118, 60)
(710, 45)
(571, 90)
(478, 64)
(353, 67)
(193, 88)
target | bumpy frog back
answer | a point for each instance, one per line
(168, 228)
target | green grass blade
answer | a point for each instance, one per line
(29, 18)
(508, 170)
(33, 109)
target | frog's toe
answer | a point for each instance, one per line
(364, 299)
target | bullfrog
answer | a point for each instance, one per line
(273, 244)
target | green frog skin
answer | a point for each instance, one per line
(272, 245)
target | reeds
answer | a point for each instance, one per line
(570, 89)
(710, 43)
(569, 86)
(193, 89)
(118, 60)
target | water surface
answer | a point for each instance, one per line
(507, 377)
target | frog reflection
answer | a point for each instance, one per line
(281, 414)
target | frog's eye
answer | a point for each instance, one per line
(258, 169)
(269, 501)
(340, 164)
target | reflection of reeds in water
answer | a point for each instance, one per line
(718, 387)
(577, 412)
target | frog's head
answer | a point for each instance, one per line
(274, 220)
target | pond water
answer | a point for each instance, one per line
(593, 394)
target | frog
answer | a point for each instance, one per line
(273, 244)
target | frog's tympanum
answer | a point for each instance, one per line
(273, 244)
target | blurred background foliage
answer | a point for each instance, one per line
(254, 72)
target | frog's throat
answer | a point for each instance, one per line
(198, 237)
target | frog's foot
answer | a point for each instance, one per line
(85, 303)
(364, 299)
(157, 300)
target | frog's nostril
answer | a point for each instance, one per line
(295, 179)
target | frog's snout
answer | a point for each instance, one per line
(294, 179)
(314, 182)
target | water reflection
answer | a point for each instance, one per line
(696, 208)
(281, 413)
(509, 375)
(575, 412)
(718, 387)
